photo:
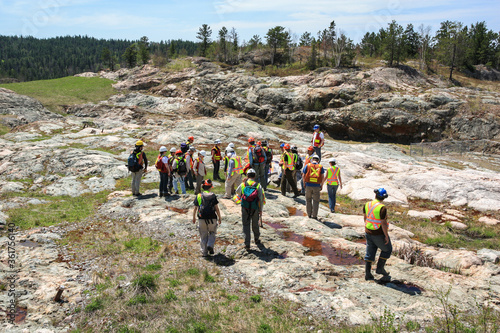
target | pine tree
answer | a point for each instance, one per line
(203, 35)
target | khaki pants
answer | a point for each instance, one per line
(136, 181)
(199, 181)
(312, 201)
(207, 229)
(231, 184)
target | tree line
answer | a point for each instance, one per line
(454, 45)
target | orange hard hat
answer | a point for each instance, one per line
(191, 138)
(250, 139)
(287, 146)
(178, 152)
(207, 182)
(311, 148)
(259, 143)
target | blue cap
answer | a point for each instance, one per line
(282, 145)
(381, 192)
(316, 127)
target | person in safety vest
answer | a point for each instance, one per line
(180, 169)
(251, 196)
(200, 170)
(234, 172)
(190, 164)
(287, 163)
(226, 158)
(333, 181)
(313, 174)
(299, 164)
(307, 160)
(207, 210)
(171, 158)
(269, 160)
(216, 158)
(251, 144)
(377, 235)
(190, 141)
(143, 162)
(163, 168)
(280, 173)
(257, 160)
(318, 140)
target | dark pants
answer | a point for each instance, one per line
(266, 176)
(171, 182)
(317, 150)
(332, 196)
(250, 218)
(374, 242)
(163, 183)
(189, 180)
(216, 170)
(289, 177)
(199, 181)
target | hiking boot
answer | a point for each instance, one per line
(247, 247)
(380, 267)
(368, 273)
(296, 195)
(258, 242)
(210, 250)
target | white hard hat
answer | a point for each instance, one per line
(163, 149)
(332, 160)
(230, 150)
(251, 171)
(231, 145)
(315, 157)
(173, 150)
(217, 141)
(192, 148)
(202, 153)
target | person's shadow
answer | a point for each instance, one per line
(221, 260)
(265, 254)
(332, 225)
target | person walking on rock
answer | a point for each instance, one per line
(216, 158)
(207, 210)
(299, 164)
(190, 164)
(333, 181)
(227, 157)
(318, 141)
(314, 179)
(269, 160)
(189, 141)
(307, 160)
(251, 196)
(163, 168)
(287, 163)
(138, 165)
(257, 160)
(251, 144)
(234, 171)
(200, 170)
(180, 169)
(377, 235)
(171, 158)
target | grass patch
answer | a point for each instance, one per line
(145, 282)
(4, 129)
(153, 267)
(96, 304)
(207, 277)
(178, 65)
(56, 93)
(139, 299)
(59, 209)
(170, 296)
(142, 245)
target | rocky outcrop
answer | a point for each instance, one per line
(16, 110)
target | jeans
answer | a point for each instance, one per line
(136, 181)
(164, 183)
(179, 179)
(374, 242)
(332, 196)
(317, 150)
(250, 218)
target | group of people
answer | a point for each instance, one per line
(246, 180)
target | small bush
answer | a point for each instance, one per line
(264, 328)
(170, 296)
(153, 267)
(145, 282)
(207, 277)
(197, 328)
(142, 245)
(233, 297)
(174, 283)
(95, 305)
(414, 255)
(139, 299)
(193, 272)
(256, 298)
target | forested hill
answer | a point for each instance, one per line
(29, 58)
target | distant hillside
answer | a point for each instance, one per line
(29, 58)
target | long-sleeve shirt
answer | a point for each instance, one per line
(230, 165)
(260, 191)
(199, 167)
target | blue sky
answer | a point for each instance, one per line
(174, 19)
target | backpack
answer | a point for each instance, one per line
(133, 163)
(299, 164)
(258, 154)
(207, 206)
(181, 167)
(269, 155)
(184, 148)
(250, 196)
(160, 166)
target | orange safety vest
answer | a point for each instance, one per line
(238, 166)
(191, 162)
(316, 139)
(290, 164)
(372, 211)
(313, 174)
(332, 177)
(217, 156)
(198, 164)
(308, 159)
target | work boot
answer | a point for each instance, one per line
(368, 269)
(380, 267)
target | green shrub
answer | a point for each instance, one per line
(145, 282)
(256, 298)
(142, 245)
(193, 272)
(207, 277)
(95, 305)
(170, 296)
(264, 328)
(153, 267)
(139, 299)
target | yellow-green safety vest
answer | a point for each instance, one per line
(238, 166)
(372, 210)
(332, 176)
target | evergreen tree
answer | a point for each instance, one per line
(482, 47)
(172, 51)
(392, 43)
(143, 50)
(451, 44)
(275, 38)
(130, 55)
(223, 43)
(254, 42)
(312, 62)
(410, 42)
(306, 39)
(203, 35)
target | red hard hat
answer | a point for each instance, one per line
(310, 148)
(191, 138)
(287, 146)
(178, 152)
(207, 182)
(251, 139)
(259, 143)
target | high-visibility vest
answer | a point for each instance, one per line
(332, 175)
(226, 162)
(308, 159)
(372, 210)
(290, 163)
(238, 166)
(316, 139)
(198, 164)
(191, 161)
(217, 156)
(140, 158)
(313, 174)
(237, 198)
